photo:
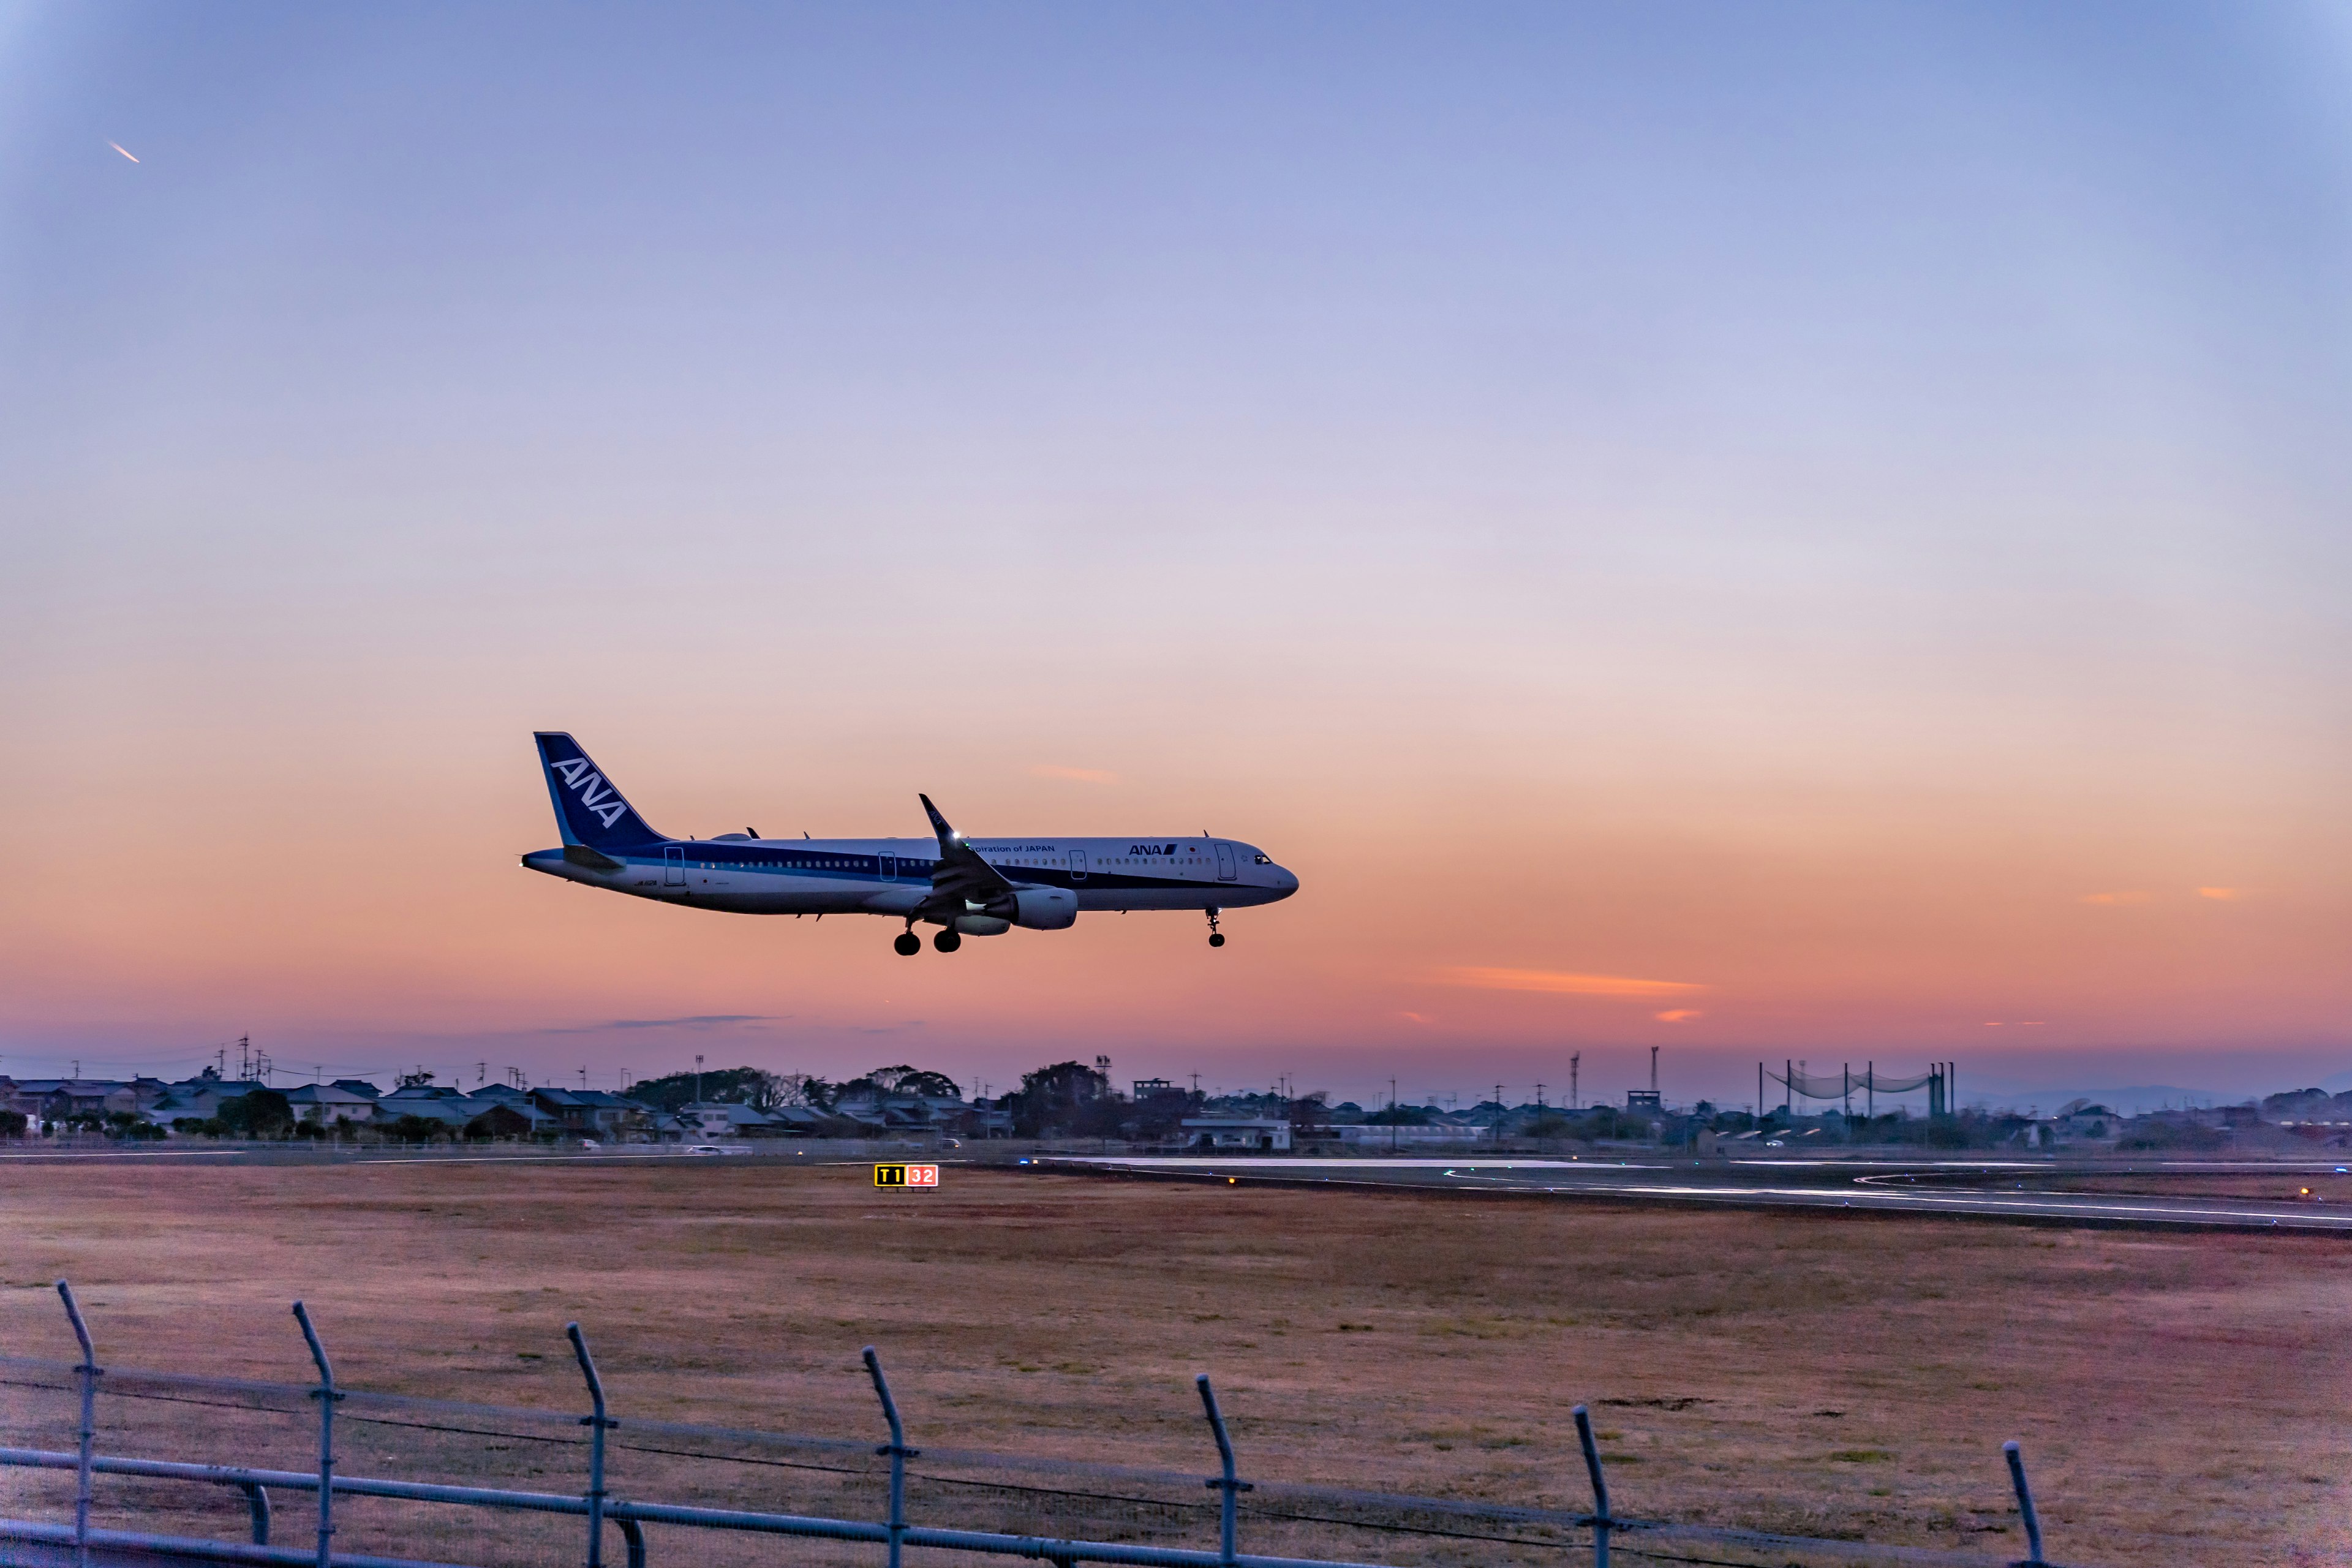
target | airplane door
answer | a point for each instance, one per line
(1225, 862)
(888, 865)
(673, 865)
(1078, 864)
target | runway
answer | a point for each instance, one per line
(2018, 1191)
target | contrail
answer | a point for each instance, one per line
(121, 148)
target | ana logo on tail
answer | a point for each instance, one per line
(594, 793)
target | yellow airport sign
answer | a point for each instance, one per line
(905, 1175)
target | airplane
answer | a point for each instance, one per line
(966, 887)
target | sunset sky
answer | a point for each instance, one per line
(1795, 531)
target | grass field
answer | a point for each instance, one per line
(2181, 1397)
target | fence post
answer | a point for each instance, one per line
(899, 1452)
(1230, 1483)
(1600, 1518)
(2016, 1457)
(328, 1396)
(89, 1374)
(256, 1505)
(597, 1424)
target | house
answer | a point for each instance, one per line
(327, 1104)
(1259, 1132)
(593, 1113)
(359, 1086)
(199, 1098)
(726, 1119)
(62, 1099)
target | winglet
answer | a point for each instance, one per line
(961, 873)
(940, 823)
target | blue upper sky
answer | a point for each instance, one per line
(1680, 409)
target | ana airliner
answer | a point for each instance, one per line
(965, 887)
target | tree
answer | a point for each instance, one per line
(801, 1088)
(718, 1085)
(411, 1128)
(12, 1123)
(1308, 1112)
(257, 1113)
(499, 1121)
(417, 1079)
(904, 1080)
(1064, 1097)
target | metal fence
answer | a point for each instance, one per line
(364, 1478)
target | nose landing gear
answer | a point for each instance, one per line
(1217, 937)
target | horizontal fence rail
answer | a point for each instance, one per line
(1129, 1499)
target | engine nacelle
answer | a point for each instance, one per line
(1044, 908)
(981, 925)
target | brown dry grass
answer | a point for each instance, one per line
(1818, 1374)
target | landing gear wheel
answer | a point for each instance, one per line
(948, 941)
(1217, 937)
(908, 943)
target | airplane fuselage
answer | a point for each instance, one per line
(893, 876)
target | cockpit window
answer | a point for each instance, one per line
(1263, 860)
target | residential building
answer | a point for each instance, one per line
(327, 1104)
(1265, 1133)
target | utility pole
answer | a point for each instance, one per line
(1846, 1081)
(584, 1080)
(1539, 1104)
(1870, 1090)
(697, 1080)
(1575, 1093)
(481, 1074)
(1654, 1069)
(1392, 1116)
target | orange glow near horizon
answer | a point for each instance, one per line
(1562, 985)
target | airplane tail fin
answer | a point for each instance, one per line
(588, 809)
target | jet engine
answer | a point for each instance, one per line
(981, 925)
(1044, 908)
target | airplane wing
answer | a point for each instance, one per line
(962, 880)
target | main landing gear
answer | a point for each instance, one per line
(1217, 937)
(947, 939)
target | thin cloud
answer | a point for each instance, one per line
(1075, 775)
(1559, 984)
(1677, 1014)
(689, 1021)
(2131, 898)
(2225, 895)
(121, 148)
